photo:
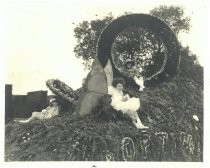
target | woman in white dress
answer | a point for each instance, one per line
(52, 110)
(133, 71)
(124, 103)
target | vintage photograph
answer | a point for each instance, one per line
(104, 81)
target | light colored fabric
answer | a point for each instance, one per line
(96, 79)
(131, 104)
(109, 72)
(139, 81)
(96, 87)
(46, 113)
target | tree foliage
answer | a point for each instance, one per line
(136, 43)
(190, 67)
(173, 16)
(87, 34)
(142, 46)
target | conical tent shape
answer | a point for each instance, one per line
(96, 79)
(96, 85)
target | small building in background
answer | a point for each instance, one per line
(8, 103)
(19, 99)
(37, 99)
(24, 105)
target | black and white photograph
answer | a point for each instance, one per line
(100, 82)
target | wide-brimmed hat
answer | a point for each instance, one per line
(129, 61)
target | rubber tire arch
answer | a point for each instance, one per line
(157, 26)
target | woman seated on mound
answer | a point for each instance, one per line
(134, 71)
(124, 103)
(47, 113)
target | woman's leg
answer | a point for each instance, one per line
(136, 120)
(131, 115)
(27, 120)
(33, 116)
(140, 125)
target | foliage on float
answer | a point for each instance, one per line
(173, 111)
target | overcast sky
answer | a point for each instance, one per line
(38, 37)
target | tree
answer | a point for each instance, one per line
(140, 45)
(190, 67)
(136, 43)
(173, 16)
(87, 34)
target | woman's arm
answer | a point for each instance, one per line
(126, 97)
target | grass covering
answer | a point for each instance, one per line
(169, 109)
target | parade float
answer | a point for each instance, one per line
(89, 129)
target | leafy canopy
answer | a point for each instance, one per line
(138, 44)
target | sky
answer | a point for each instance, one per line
(38, 37)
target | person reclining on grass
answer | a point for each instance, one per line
(52, 110)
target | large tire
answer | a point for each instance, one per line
(157, 26)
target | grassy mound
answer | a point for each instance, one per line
(106, 134)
